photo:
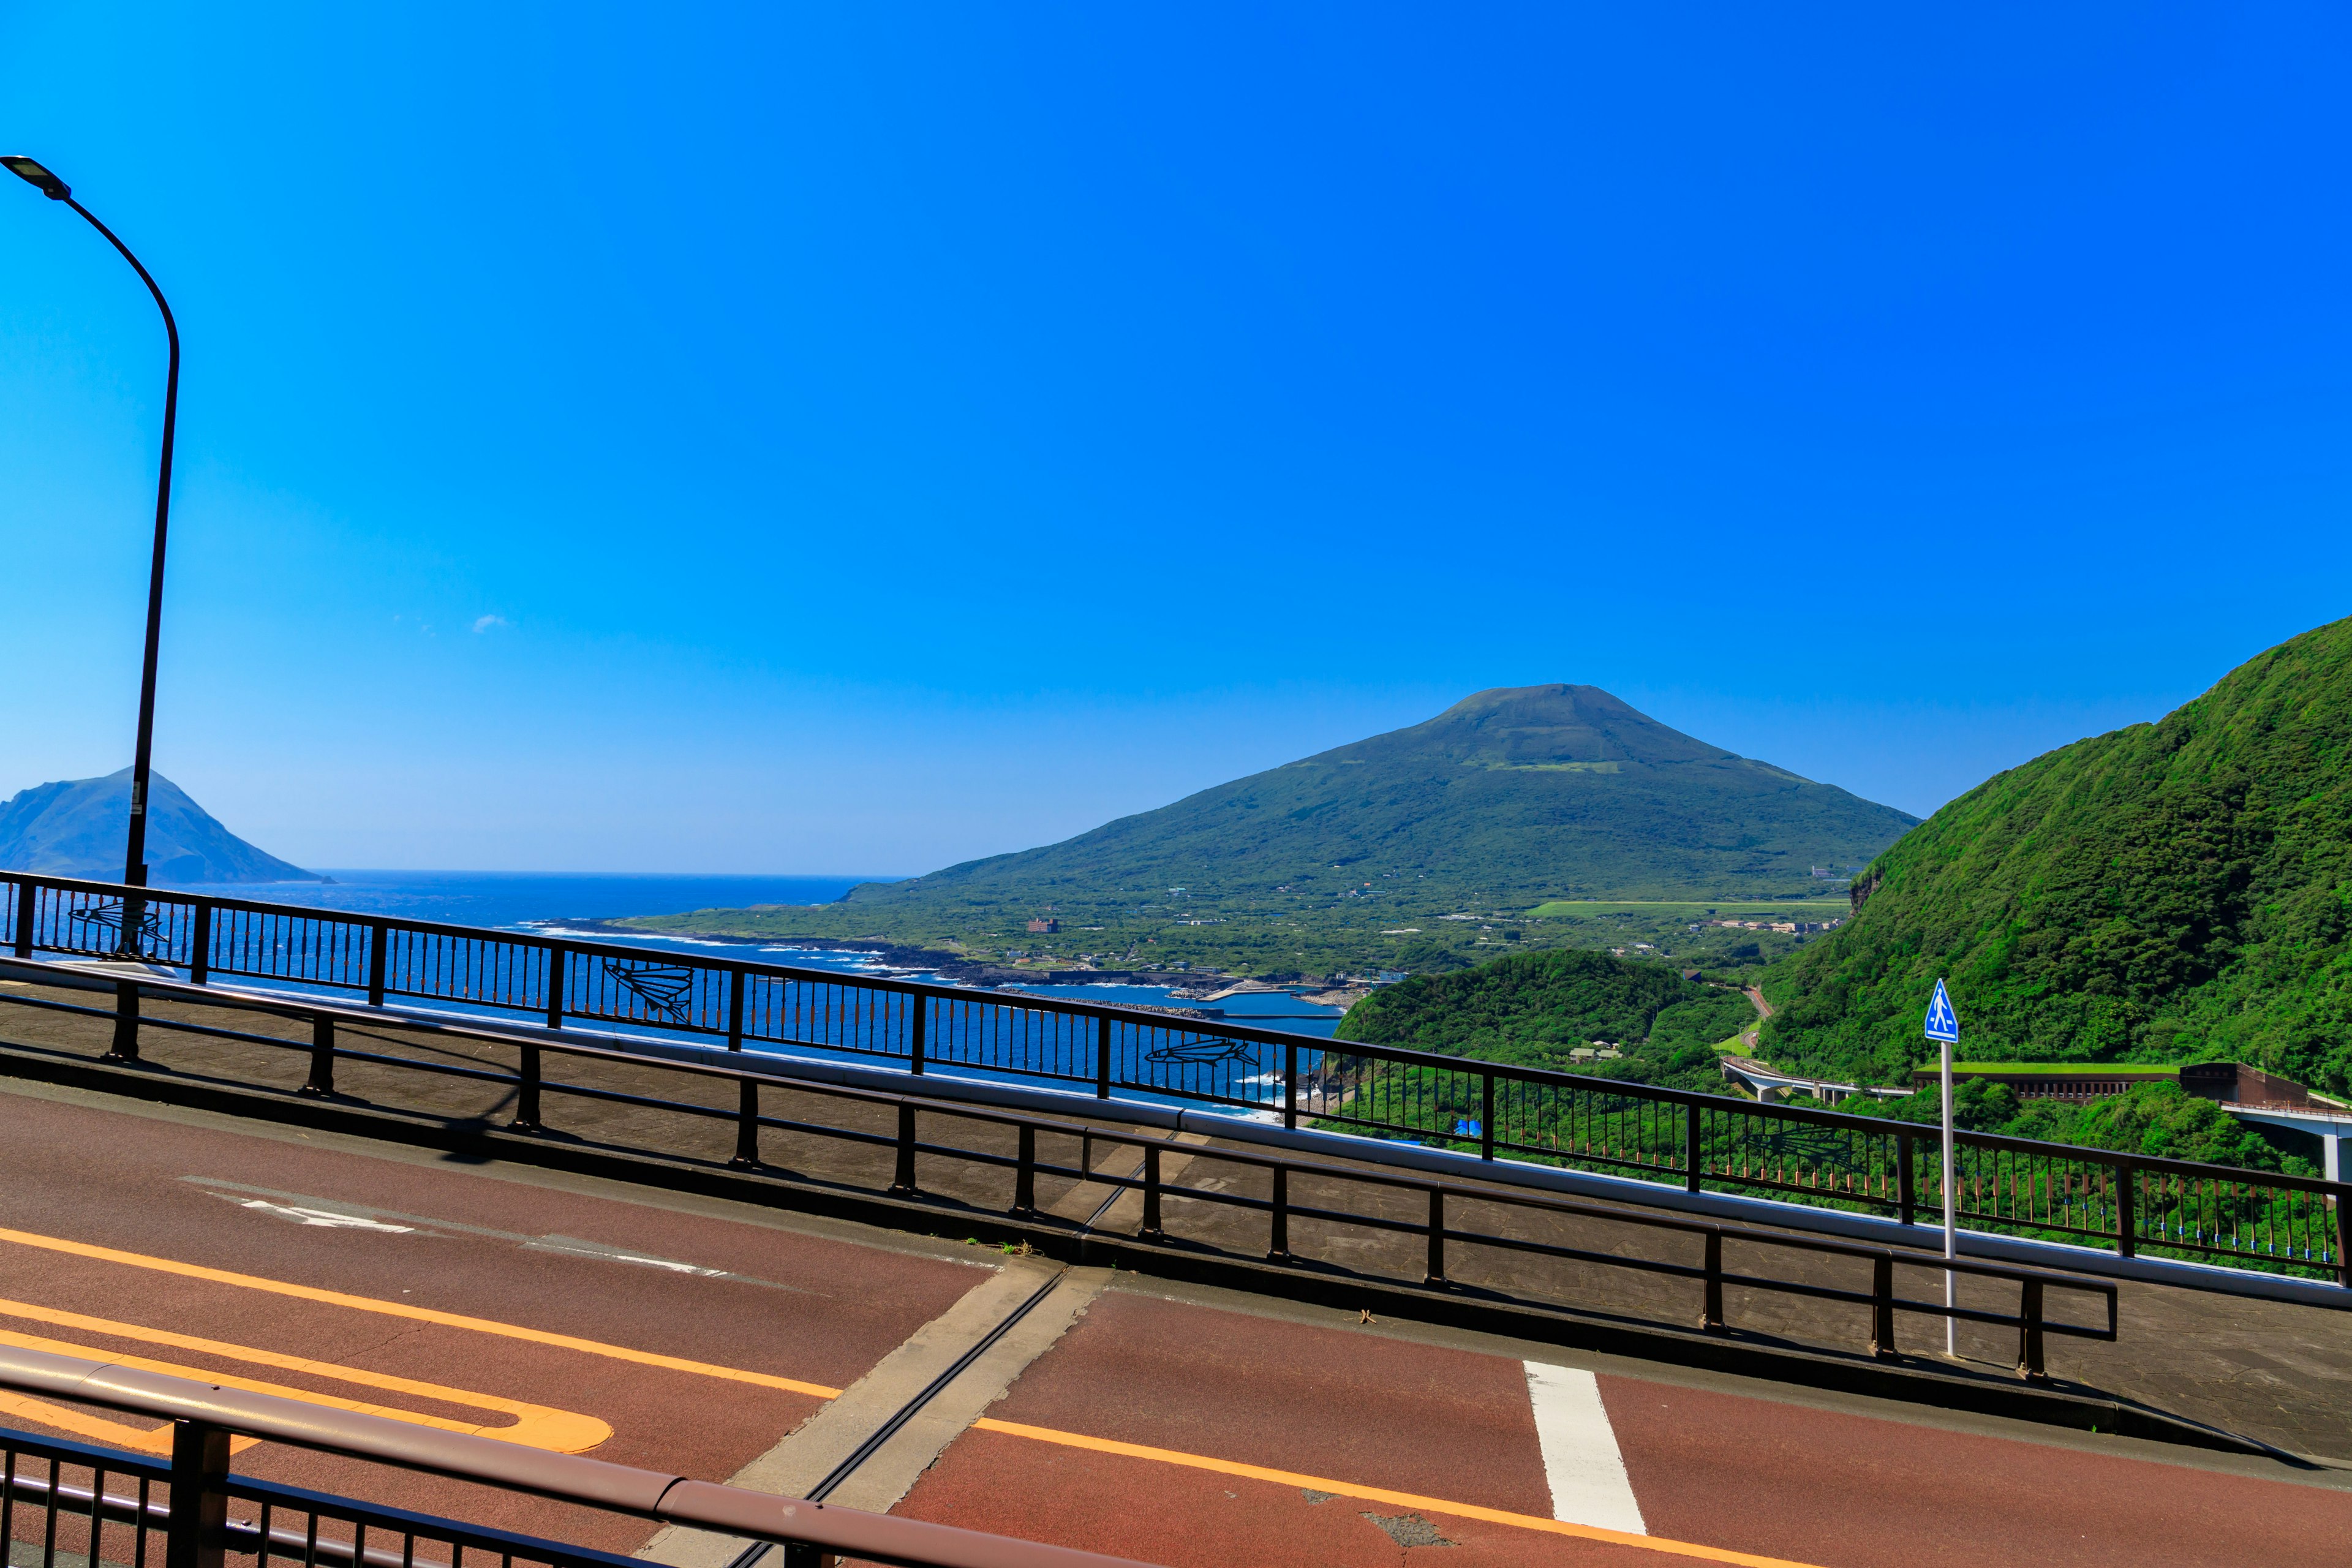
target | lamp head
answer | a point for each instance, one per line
(30, 171)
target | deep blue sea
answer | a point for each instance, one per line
(508, 900)
(546, 903)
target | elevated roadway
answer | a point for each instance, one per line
(1184, 1424)
(2331, 1125)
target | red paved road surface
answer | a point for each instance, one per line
(98, 1177)
(1359, 1405)
(1746, 1474)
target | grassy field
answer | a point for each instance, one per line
(1280, 936)
(1777, 909)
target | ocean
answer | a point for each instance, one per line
(546, 903)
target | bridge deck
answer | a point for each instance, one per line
(1182, 1425)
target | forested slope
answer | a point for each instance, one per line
(2171, 892)
(1510, 795)
(1533, 1009)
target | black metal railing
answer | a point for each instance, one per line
(1288, 1178)
(68, 1505)
(2129, 1203)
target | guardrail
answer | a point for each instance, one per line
(2129, 1203)
(1442, 1202)
(203, 1514)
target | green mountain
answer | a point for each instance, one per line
(75, 828)
(2171, 892)
(1509, 796)
(1507, 799)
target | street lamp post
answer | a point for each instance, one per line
(134, 857)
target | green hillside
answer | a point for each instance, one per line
(1507, 800)
(2168, 892)
(1533, 1009)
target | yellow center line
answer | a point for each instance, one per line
(418, 1314)
(1381, 1494)
(735, 1375)
(535, 1425)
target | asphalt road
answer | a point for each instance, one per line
(1179, 1426)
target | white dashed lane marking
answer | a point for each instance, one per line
(327, 1217)
(298, 1208)
(1586, 1472)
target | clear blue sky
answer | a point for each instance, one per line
(857, 438)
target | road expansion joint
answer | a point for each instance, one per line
(867, 1448)
(1122, 1210)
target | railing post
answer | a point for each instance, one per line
(377, 955)
(196, 1535)
(200, 945)
(1692, 1157)
(915, 1021)
(1882, 1305)
(1710, 1312)
(747, 1126)
(1102, 1057)
(1906, 1178)
(1277, 1248)
(527, 1106)
(28, 909)
(1485, 1116)
(1290, 1085)
(2028, 1333)
(132, 940)
(802, 1554)
(1024, 1173)
(1436, 1236)
(125, 1048)
(320, 1084)
(2343, 1239)
(2126, 1211)
(747, 1092)
(902, 1183)
(1151, 1231)
(555, 982)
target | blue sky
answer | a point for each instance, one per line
(857, 438)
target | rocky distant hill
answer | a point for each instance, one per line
(75, 828)
(1507, 799)
(2173, 891)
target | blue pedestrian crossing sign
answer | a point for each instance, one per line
(1943, 1024)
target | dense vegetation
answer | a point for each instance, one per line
(1535, 1008)
(2156, 1119)
(1352, 859)
(2173, 891)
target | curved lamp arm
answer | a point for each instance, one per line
(134, 869)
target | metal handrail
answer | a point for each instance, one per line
(1910, 1146)
(2030, 1321)
(565, 1477)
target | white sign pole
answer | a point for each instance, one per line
(1951, 1229)
(1944, 1028)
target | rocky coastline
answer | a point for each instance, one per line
(953, 967)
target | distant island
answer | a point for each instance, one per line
(76, 827)
(1426, 848)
